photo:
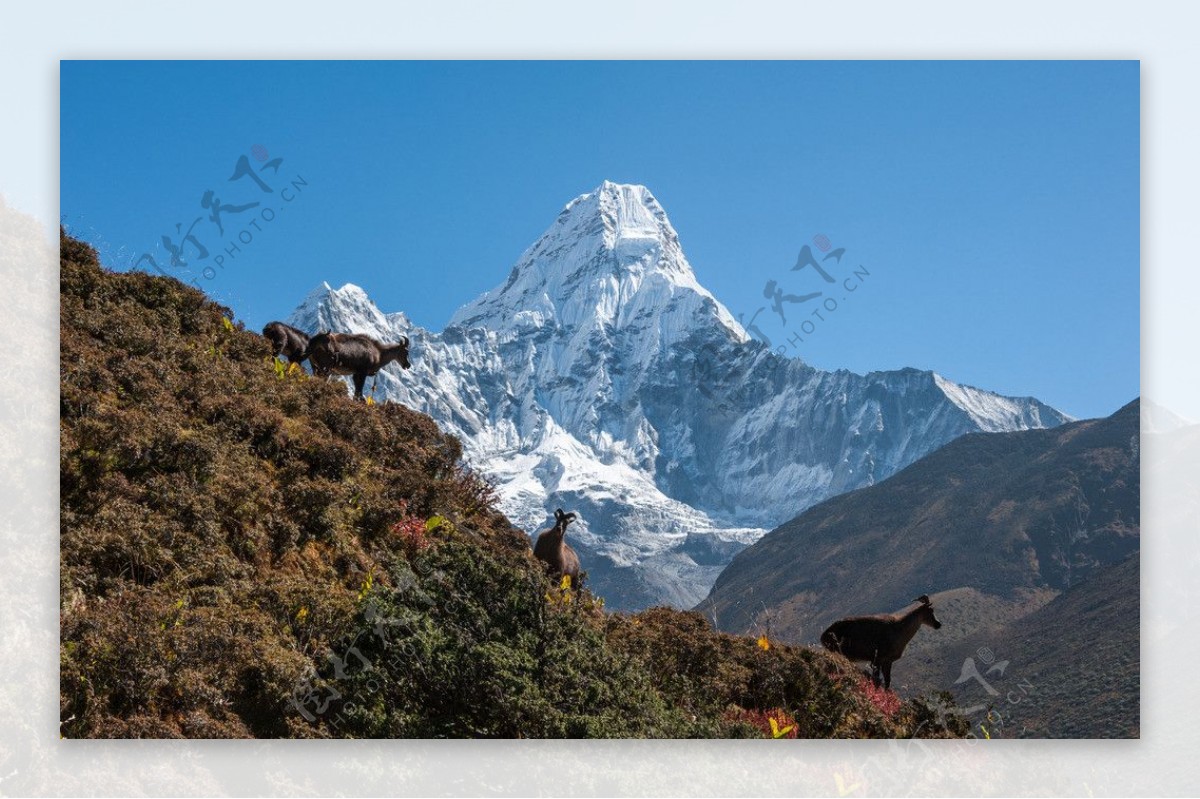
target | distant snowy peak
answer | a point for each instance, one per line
(346, 309)
(612, 262)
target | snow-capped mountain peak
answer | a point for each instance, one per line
(611, 261)
(347, 309)
(601, 377)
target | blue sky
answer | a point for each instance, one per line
(995, 205)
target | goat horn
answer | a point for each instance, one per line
(405, 340)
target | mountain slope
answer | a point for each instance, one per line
(247, 552)
(1005, 520)
(1073, 665)
(602, 376)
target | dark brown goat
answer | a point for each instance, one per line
(879, 640)
(354, 354)
(556, 553)
(286, 340)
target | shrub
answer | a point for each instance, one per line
(886, 701)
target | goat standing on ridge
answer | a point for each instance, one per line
(286, 340)
(879, 640)
(354, 354)
(556, 553)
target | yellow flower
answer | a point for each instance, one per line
(302, 614)
(776, 731)
(367, 584)
(764, 643)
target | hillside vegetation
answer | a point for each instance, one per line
(247, 552)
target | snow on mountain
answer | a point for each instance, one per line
(601, 377)
(611, 262)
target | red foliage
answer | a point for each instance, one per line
(411, 532)
(887, 701)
